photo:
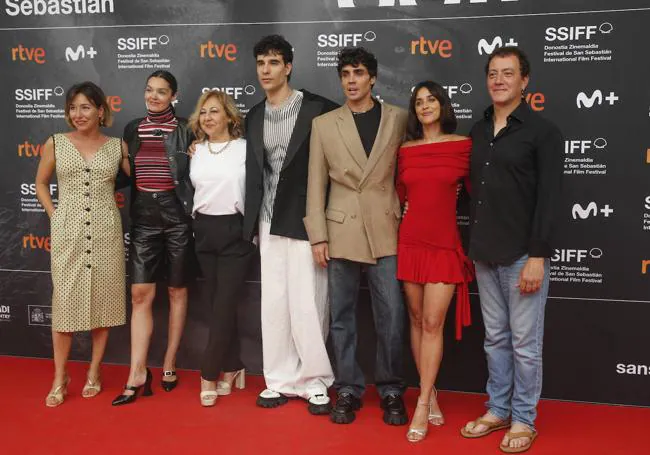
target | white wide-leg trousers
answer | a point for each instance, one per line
(295, 317)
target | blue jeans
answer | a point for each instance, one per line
(514, 331)
(389, 316)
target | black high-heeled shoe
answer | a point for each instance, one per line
(146, 391)
(168, 386)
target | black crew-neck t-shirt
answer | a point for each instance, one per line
(368, 125)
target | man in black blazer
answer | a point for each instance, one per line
(294, 289)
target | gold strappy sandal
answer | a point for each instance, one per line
(92, 388)
(418, 434)
(57, 396)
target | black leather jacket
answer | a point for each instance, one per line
(176, 145)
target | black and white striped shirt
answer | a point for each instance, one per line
(278, 126)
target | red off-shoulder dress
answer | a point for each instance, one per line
(429, 248)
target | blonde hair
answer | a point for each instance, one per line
(235, 123)
(96, 97)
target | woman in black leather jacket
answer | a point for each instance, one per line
(161, 233)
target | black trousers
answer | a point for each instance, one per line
(224, 257)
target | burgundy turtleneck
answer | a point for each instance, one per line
(152, 171)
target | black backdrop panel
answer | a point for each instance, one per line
(589, 76)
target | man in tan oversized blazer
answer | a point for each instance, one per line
(352, 218)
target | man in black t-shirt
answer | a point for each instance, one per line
(352, 217)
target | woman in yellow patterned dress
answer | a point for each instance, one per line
(87, 254)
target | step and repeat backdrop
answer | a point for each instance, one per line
(589, 75)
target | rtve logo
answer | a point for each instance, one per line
(591, 210)
(644, 266)
(56, 7)
(423, 46)
(222, 51)
(79, 53)
(575, 255)
(345, 39)
(577, 32)
(536, 101)
(235, 92)
(486, 48)
(29, 150)
(582, 146)
(596, 98)
(28, 54)
(37, 94)
(141, 43)
(36, 242)
(114, 103)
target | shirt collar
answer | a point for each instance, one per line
(521, 113)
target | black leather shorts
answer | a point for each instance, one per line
(161, 240)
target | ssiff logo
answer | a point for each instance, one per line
(583, 146)
(591, 210)
(79, 53)
(577, 32)
(486, 48)
(235, 92)
(141, 43)
(37, 94)
(28, 54)
(345, 39)
(576, 255)
(596, 98)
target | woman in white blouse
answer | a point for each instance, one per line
(217, 171)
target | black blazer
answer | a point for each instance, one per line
(291, 194)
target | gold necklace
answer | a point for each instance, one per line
(220, 150)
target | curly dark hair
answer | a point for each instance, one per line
(276, 45)
(448, 120)
(356, 56)
(507, 51)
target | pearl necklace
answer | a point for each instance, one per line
(220, 150)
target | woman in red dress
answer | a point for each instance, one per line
(430, 257)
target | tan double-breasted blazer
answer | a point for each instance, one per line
(351, 199)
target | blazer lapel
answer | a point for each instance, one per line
(350, 136)
(256, 135)
(381, 141)
(308, 110)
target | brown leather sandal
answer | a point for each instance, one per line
(491, 427)
(530, 434)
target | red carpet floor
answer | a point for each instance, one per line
(175, 423)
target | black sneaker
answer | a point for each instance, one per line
(319, 404)
(343, 411)
(271, 399)
(394, 410)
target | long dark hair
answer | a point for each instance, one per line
(448, 120)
